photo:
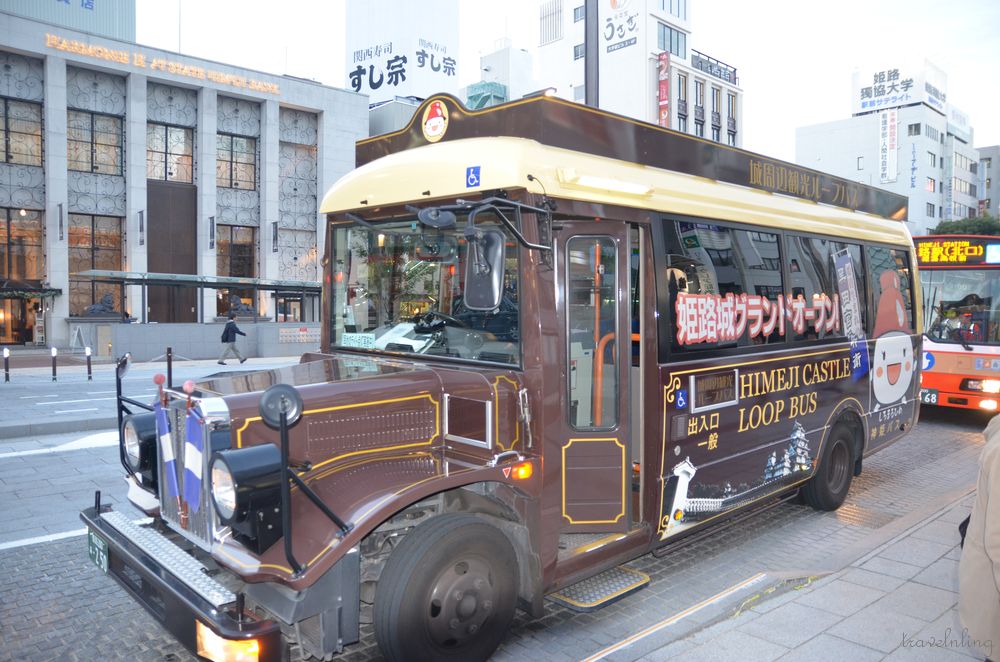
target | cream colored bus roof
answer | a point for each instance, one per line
(438, 172)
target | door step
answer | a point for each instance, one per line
(601, 590)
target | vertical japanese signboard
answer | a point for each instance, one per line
(663, 75)
(850, 313)
(888, 143)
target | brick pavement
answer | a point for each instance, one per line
(55, 605)
(898, 602)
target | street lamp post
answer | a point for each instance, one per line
(54, 352)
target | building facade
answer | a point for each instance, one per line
(646, 66)
(906, 137)
(124, 158)
(989, 188)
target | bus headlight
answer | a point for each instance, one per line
(246, 490)
(991, 386)
(139, 445)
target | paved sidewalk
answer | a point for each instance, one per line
(898, 602)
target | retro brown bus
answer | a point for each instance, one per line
(554, 340)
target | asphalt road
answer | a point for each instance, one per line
(55, 605)
(33, 404)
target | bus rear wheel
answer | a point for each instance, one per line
(828, 488)
(447, 592)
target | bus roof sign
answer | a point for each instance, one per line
(957, 251)
(559, 123)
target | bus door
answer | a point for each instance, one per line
(596, 464)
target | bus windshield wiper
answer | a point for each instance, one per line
(957, 333)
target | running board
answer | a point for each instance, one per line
(601, 590)
(673, 545)
(172, 558)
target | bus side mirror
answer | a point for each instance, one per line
(484, 268)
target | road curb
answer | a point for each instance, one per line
(57, 427)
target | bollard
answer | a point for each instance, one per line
(6, 364)
(170, 367)
(54, 352)
(90, 374)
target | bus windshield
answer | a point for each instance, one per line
(962, 305)
(398, 287)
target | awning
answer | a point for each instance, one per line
(192, 280)
(30, 289)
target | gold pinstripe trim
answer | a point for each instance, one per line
(624, 484)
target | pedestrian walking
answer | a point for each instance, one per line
(979, 569)
(229, 340)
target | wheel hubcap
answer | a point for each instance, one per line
(461, 601)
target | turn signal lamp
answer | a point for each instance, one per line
(522, 471)
(214, 647)
(678, 515)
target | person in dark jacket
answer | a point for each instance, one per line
(229, 340)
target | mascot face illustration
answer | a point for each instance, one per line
(435, 121)
(892, 363)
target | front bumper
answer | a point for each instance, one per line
(174, 587)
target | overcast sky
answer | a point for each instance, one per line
(794, 58)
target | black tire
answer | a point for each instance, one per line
(828, 488)
(447, 592)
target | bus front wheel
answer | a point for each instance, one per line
(447, 592)
(828, 488)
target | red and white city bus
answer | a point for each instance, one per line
(960, 279)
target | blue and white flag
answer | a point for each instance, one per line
(166, 449)
(193, 447)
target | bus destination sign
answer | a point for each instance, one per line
(940, 251)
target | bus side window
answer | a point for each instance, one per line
(892, 294)
(724, 286)
(814, 304)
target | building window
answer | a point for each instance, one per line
(95, 242)
(699, 129)
(699, 93)
(963, 162)
(579, 93)
(579, 13)
(732, 139)
(861, 163)
(22, 245)
(578, 52)
(682, 123)
(716, 100)
(22, 132)
(913, 130)
(169, 153)
(931, 159)
(932, 133)
(551, 21)
(674, 41)
(94, 142)
(930, 210)
(236, 163)
(988, 182)
(715, 133)
(931, 185)
(235, 256)
(682, 87)
(731, 101)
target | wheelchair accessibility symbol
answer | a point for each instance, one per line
(472, 176)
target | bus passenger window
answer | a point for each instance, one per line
(891, 292)
(813, 304)
(724, 286)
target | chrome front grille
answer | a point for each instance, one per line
(201, 527)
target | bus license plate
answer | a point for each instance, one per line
(929, 396)
(98, 551)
